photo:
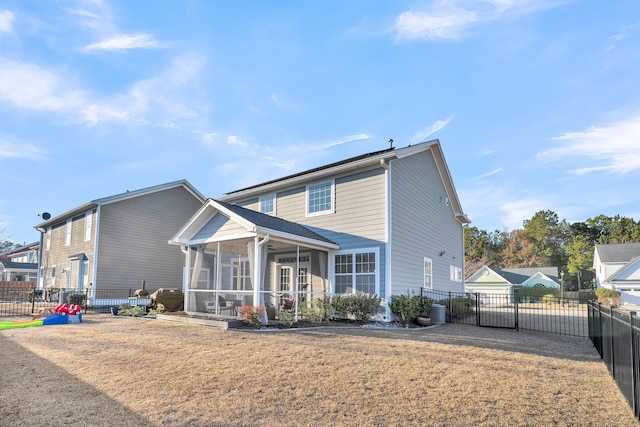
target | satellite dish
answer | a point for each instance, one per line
(46, 215)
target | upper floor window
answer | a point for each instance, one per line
(47, 245)
(320, 198)
(268, 204)
(67, 240)
(428, 273)
(87, 226)
(455, 273)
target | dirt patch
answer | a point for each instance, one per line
(113, 370)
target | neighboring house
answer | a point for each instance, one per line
(617, 267)
(384, 223)
(502, 281)
(116, 242)
(20, 264)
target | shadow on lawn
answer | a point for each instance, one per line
(525, 342)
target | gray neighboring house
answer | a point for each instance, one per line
(20, 264)
(116, 242)
(617, 267)
(386, 223)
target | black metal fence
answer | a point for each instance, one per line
(616, 336)
(566, 316)
(24, 302)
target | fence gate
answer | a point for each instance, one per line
(565, 316)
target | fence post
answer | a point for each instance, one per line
(86, 299)
(33, 300)
(600, 329)
(450, 307)
(613, 367)
(477, 309)
(515, 308)
(634, 371)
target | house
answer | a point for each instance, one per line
(117, 242)
(617, 267)
(502, 281)
(20, 264)
(387, 222)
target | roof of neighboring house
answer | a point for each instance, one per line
(273, 222)
(520, 275)
(19, 265)
(355, 163)
(119, 197)
(23, 248)
(619, 252)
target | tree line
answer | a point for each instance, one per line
(545, 240)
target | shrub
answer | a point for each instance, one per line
(251, 314)
(608, 296)
(126, 310)
(405, 307)
(313, 313)
(535, 292)
(549, 299)
(425, 306)
(360, 306)
(285, 317)
(461, 307)
(76, 298)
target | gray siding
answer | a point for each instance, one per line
(58, 254)
(422, 225)
(221, 226)
(133, 240)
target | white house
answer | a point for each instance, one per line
(617, 267)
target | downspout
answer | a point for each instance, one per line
(258, 273)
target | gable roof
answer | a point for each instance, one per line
(120, 197)
(252, 221)
(21, 249)
(624, 273)
(518, 276)
(618, 252)
(375, 158)
(486, 275)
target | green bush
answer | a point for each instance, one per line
(359, 306)
(405, 307)
(536, 292)
(461, 307)
(76, 298)
(314, 312)
(126, 310)
(549, 299)
(285, 317)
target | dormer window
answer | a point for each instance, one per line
(320, 198)
(268, 204)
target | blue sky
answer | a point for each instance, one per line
(536, 103)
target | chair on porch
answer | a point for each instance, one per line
(223, 304)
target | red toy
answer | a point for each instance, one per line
(66, 309)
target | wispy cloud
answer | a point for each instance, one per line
(434, 127)
(19, 150)
(6, 21)
(514, 212)
(615, 148)
(452, 19)
(126, 42)
(30, 86)
(493, 172)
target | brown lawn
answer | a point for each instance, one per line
(128, 371)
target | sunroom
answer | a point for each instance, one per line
(235, 256)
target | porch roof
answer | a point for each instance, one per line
(19, 266)
(255, 223)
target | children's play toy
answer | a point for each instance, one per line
(63, 314)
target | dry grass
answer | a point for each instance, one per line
(127, 371)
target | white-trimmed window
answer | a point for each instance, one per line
(88, 218)
(428, 273)
(67, 240)
(53, 275)
(48, 239)
(320, 198)
(268, 204)
(356, 271)
(455, 273)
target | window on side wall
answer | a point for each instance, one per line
(356, 272)
(87, 226)
(428, 273)
(455, 273)
(268, 204)
(67, 240)
(48, 239)
(320, 199)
